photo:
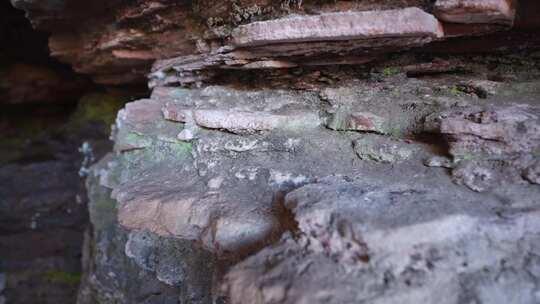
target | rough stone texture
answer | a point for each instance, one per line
(489, 142)
(302, 39)
(258, 171)
(360, 242)
(226, 184)
(116, 42)
(339, 26)
(475, 11)
(125, 266)
(381, 149)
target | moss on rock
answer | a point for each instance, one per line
(97, 107)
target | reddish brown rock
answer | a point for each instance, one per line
(114, 42)
(475, 11)
(29, 83)
(223, 222)
(407, 22)
(358, 121)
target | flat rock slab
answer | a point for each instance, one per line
(475, 11)
(408, 22)
(244, 121)
(180, 205)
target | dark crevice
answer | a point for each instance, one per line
(46, 115)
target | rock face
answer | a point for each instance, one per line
(288, 152)
(116, 42)
(409, 22)
(28, 83)
(27, 74)
(487, 11)
(490, 142)
(138, 267)
(236, 172)
(113, 41)
(360, 241)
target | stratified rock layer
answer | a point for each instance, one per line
(475, 11)
(258, 172)
(410, 22)
(117, 42)
(309, 182)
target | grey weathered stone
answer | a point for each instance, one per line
(490, 141)
(173, 261)
(381, 149)
(532, 173)
(220, 167)
(358, 121)
(359, 241)
(254, 163)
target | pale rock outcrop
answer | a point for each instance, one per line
(244, 121)
(117, 42)
(359, 240)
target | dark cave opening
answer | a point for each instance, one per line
(48, 112)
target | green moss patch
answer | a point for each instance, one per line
(62, 277)
(97, 107)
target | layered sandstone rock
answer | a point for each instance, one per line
(218, 166)
(32, 83)
(27, 74)
(116, 42)
(484, 11)
(112, 41)
(258, 171)
(409, 22)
